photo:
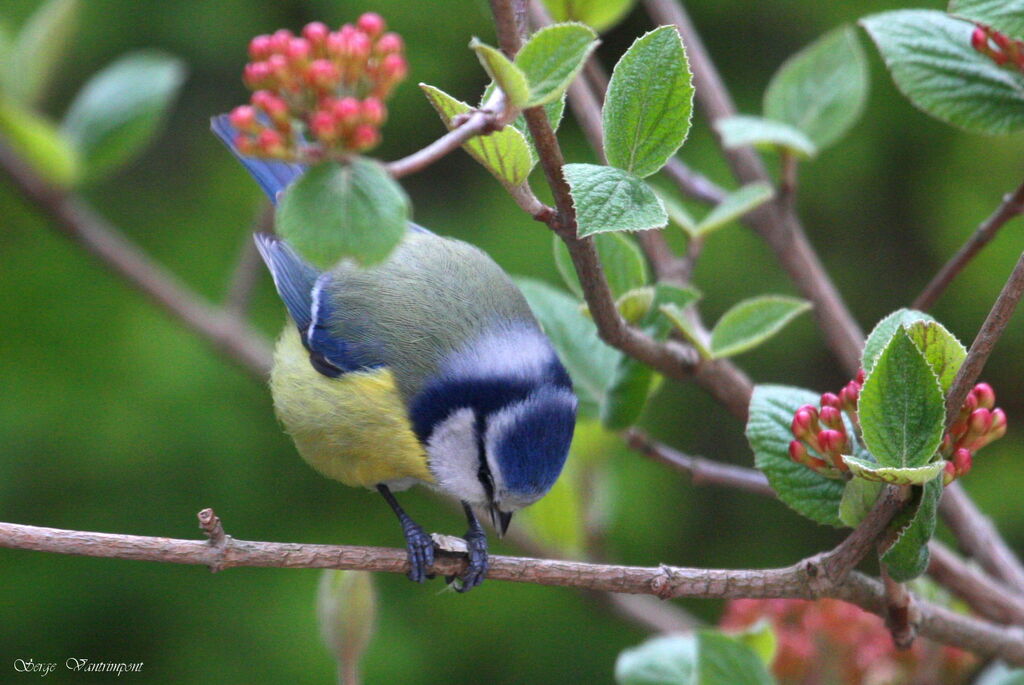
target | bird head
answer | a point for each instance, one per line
(497, 423)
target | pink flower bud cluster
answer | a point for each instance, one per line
(319, 94)
(978, 423)
(823, 430)
(998, 47)
(829, 641)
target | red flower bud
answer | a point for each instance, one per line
(389, 43)
(859, 380)
(1000, 39)
(948, 473)
(372, 24)
(346, 111)
(979, 422)
(365, 137)
(830, 400)
(359, 46)
(245, 145)
(316, 33)
(323, 126)
(798, 452)
(260, 47)
(243, 118)
(279, 40)
(831, 417)
(279, 69)
(323, 74)
(803, 422)
(998, 423)
(299, 51)
(257, 75)
(962, 461)
(831, 441)
(979, 40)
(393, 68)
(373, 111)
(984, 395)
(270, 143)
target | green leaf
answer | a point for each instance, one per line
(599, 14)
(761, 638)
(723, 660)
(37, 51)
(635, 304)
(552, 58)
(589, 361)
(998, 673)
(39, 143)
(121, 108)
(821, 90)
(859, 496)
(768, 431)
(741, 130)
(504, 153)
(908, 475)
(883, 332)
(507, 75)
(664, 660)
(751, 322)
(344, 210)
(735, 205)
(1005, 17)
(901, 407)
(943, 352)
(624, 264)
(907, 558)
(932, 62)
(649, 102)
(678, 317)
(609, 199)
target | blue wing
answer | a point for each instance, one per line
(304, 291)
(273, 177)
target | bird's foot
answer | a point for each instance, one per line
(476, 570)
(421, 552)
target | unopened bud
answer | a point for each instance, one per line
(859, 379)
(393, 68)
(322, 126)
(256, 75)
(984, 395)
(346, 111)
(948, 473)
(804, 421)
(245, 145)
(979, 40)
(270, 143)
(299, 51)
(275, 107)
(323, 74)
(373, 111)
(979, 422)
(316, 33)
(962, 461)
(389, 43)
(830, 400)
(832, 417)
(243, 118)
(365, 137)
(372, 24)
(831, 441)
(279, 40)
(260, 47)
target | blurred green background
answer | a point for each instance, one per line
(114, 418)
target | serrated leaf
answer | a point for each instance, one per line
(38, 49)
(552, 57)
(610, 199)
(121, 108)
(343, 210)
(901, 407)
(624, 264)
(588, 360)
(768, 431)
(943, 352)
(907, 475)
(907, 558)
(601, 15)
(39, 143)
(883, 332)
(659, 661)
(742, 130)
(930, 57)
(678, 317)
(859, 496)
(504, 153)
(821, 90)
(723, 660)
(1003, 16)
(501, 69)
(751, 322)
(648, 105)
(735, 205)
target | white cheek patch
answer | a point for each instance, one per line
(454, 457)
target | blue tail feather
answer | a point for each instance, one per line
(293, 277)
(272, 176)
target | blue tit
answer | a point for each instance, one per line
(427, 368)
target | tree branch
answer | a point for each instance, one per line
(803, 580)
(228, 333)
(1011, 206)
(773, 221)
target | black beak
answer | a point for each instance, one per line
(500, 520)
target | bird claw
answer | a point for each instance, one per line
(476, 570)
(420, 547)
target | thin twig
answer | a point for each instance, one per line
(1011, 206)
(978, 537)
(989, 598)
(901, 615)
(228, 333)
(802, 580)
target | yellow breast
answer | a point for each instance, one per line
(353, 428)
